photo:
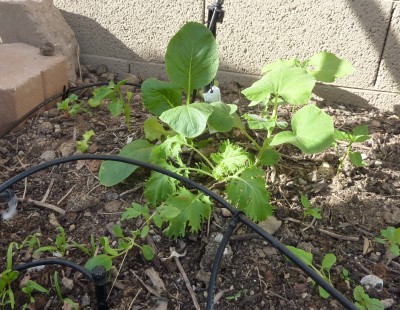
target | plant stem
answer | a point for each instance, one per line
(344, 157)
(256, 145)
(273, 116)
(196, 170)
(201, 155)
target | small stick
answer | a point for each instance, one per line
(187, 282)
(48, 190)
(150, 289)
(134, 298)
(43, 205)
(326, 232)
(65, 196)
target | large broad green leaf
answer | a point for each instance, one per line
(293, 62)
(192, 211)
(255, 121)
(188, 120)
(192, 57)
(249, 192)
(313, 131)
(160, 96)
(326, 67)
(293, 84)
(113, 172)
(221, 119)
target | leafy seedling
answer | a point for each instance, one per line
(32, 286)
(83, 145)
(237, 296)
(364, 302)
(328, 261)
(308, 209)
(358, 134)
(391, 237)
(117, 103)
(60, 247)
(67, 301)
(73, 105)
(7, 278)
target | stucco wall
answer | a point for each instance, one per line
(132, 37)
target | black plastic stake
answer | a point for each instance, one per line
(99, 277)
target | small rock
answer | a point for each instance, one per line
(80, 202)
(392, 217)
(85, 302)
(57, 128)
(372, 281)
(93, 78)
(113, 206)
(53, 220)
(326, 171)
(130, 78)
(84, 72)
(48, 155)
(101, 69)
(71, 228)
(45, 128)
(210, 251)
(67, 148)
(225, 212)
(270, 251)
(270, 225)
(67, 284)
(388, 303)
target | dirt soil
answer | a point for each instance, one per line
(355, 205)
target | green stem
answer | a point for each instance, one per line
(195, 170)
(256, 145)
(273, 116)
(344, 157)
(201, 155)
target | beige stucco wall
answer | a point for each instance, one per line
(131, 36)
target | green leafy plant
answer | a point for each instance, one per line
(30, 287)
(308, 209)
(73, 105)
(83, 145)
(391, 237)
(117, 102)
(125, 242)
(7, 277)
(66, 300)
(328, 261)
(364, 302)
(358, 134)
(60, 247)
(175, 133)
(236, 296)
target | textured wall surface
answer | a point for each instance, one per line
(133, 38)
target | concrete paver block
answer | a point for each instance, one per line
(36, 22)
(27, 79)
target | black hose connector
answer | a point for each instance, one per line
(6, 195)
(99, 277)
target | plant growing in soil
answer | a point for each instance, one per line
(117, 104)
(67, 301)
(73, 105)
(83, 145)
(364, 302)
(30, 287)
(358, 134)
(391, 237)
(192, 64)
(308, 209)
(7, 277)
(328, 261)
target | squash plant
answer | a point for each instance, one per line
(178, 131)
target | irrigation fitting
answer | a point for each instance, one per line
(11, 199)
(99, 277)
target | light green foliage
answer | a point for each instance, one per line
(313, 131)
(73, 105)
(61, 244)
(328, 261)
(83, 145)
(308, 209)
(358, 134)
(222, 117)
(154, 130)
(391, 237)
(248, 191)
(364, 302)
(117, 104)
(32, 286)
(185, 209)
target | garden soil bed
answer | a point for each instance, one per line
(355, 205)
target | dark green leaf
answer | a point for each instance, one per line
(153, 129)
(328, 261)
(256, 121)
(118, 231)
(269, 157)
(159, 187)
(115, 107)
(112, 173)
(160, 96)
(99, 260)
(356, 159)
(147, 252)
(221, 119)
(192, 57)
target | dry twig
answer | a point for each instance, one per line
(43, 205)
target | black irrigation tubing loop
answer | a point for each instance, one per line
(236, 214)
(63, 95)
(50, 261)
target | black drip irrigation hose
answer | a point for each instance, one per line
(63, 95)
(238, 216)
